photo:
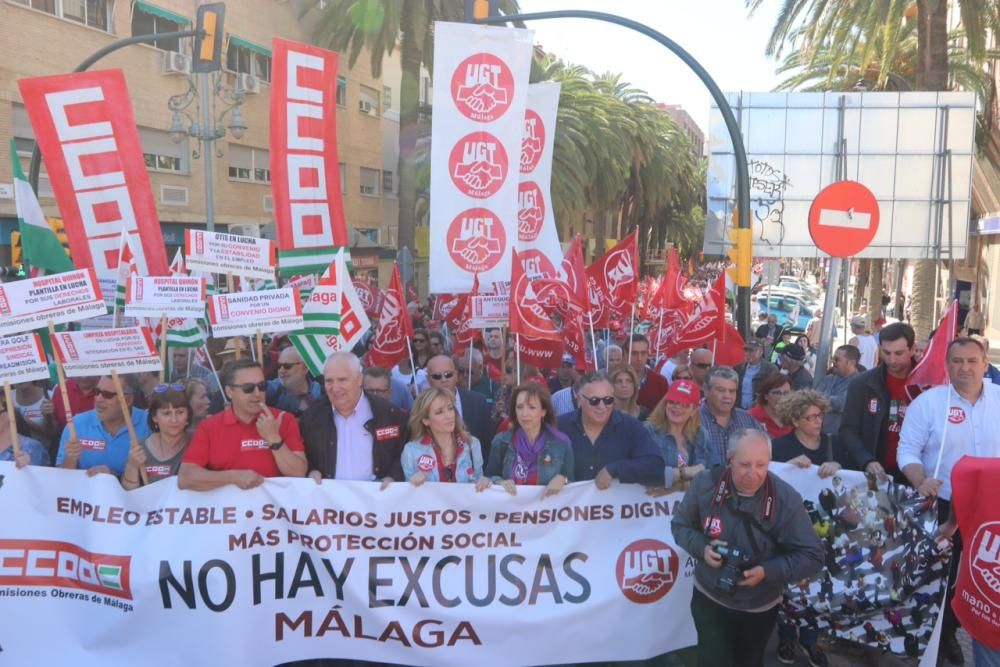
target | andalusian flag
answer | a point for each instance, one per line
(39, 243)
(188, 331)
(126, 269)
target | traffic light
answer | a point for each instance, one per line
(208, 42)
(740, 254)
(476, 10)
(57, 226)
(16, 254)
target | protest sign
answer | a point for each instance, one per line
(245, 313)
(100, 351)
(22, 359)
(216, 252)
(153, 296)
(489, 311)
(58, 298)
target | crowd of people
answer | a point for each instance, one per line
(479, 417)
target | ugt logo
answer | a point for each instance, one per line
(532, 141)
(476, 240)
(478, 165)
(482, 87)
(530, 211)
(985, 548)
(646, 570)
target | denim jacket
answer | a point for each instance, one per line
(419, 455)
(697, 450)
(555, 458)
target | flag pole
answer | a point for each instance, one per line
(163, 348)
(127, 415)
(659, 333)
(517, 355)
(715, 343)
(215, 373)
(12, 416)
(469, 374)
(631, 330)
(62, 383)
(593, 339)
(260, 347)
(413, 365)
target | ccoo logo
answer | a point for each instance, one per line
(530, 211)
(478, 165)
(532, 141)
(482, 87)
(476, 240)
(646, 570)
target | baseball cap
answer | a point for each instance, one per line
(859, 321)
(794, 352)
(684, 391)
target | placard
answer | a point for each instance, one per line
(246, 313)
(59, 298)
(97, 352)
(153, 296)
(489, 310)
(216, 252)
(22, 359)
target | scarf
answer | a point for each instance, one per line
(526, 456)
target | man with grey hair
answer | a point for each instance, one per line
(471, 362)
(719, 415)
(351, 435)
(613, 356)
(751, 537)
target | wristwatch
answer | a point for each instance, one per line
(277, 445)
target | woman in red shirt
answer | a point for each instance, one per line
(771, 390)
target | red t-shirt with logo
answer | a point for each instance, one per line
(898, 400)
(223, 442)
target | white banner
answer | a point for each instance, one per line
(99, 351)
(537, 237)
(216, 252)
(489, 311)
(246, 313)
(153, 296)
(479, 103)
(59, 298)
(22, 359)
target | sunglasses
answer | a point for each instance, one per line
(447, 375)
(597, 400)
(108, 395)
(160, 388)
(288, 367)
(248, 387)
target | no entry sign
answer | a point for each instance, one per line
(843, 218)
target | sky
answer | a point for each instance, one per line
(718, 33)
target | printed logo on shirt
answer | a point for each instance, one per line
(873, 406)
(426, 462)
(158, 471)
(387, 433)
(713, 527)
(94, 444)
(646, 570)
(956, 415)
(251, 445)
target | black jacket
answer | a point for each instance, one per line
(387, 426)
(766, 369)
(477, 418)
(864, 426)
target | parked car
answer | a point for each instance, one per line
(783, 303)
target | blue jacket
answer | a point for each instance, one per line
(555, 458)
(278, 397)
(992, 373)
(624, 447)
(697, 450)
(468, 464)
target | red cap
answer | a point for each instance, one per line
(684, 391)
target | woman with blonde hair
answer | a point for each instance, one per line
(675, 425)
(625, 382)
(681, 372)
(441, 450)
(806, 444)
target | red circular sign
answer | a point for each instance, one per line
(532, 141)
(476, 240)
(478, 165)
(482, 87)
(646, 570)
(530, 211)
(843, 218)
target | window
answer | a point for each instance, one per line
(343, 178)
(387, 182)
(93, 13)
(249, 164)
(369, 182)
(151, 20)
(161, 153)
(245, 57)
(370, 234)
(369, 101)
(386, 98)
(341, 91)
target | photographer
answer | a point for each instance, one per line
(752, 537)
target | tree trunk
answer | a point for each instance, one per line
(409, 114)
(876, 281)
(861, 283)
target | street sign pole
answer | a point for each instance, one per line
(829, 318)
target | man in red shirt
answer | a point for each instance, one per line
(246, 442)
(652, 385)
(81, 392)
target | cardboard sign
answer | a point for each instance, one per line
(215, 252)
(244, 313)
(22, 359)
(153, 296)
(490, 311)
(59, 298)
(126, 350)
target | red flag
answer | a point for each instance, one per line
(395, 328)
(705, 324)
(729, 349)
(613, 281)
(932, 369)
(459, 321)
(527, 316)
(443, 305)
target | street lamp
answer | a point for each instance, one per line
(212, 105)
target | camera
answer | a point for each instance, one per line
(734, 562)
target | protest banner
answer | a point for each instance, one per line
(216, 252)
(488, 311)
(477, 126)
(243, 313)
(87, 134)
(305, 172)
(155, 296)
(101, 351)
(22, 359)
(433, 575)
(537, 237)
(58, 298)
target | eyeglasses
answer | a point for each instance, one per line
(288, 367)
(447, 375)
(249, 387)
(597, 400)
(436, 343)
(107, 395)
(161, 388)
(814, 417)
(702, 365)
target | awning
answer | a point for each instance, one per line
(250, 46)
(162, 13)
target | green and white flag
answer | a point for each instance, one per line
(39, 243)
(308, 260)
(185, 332)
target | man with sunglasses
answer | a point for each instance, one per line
(102, 441)
(245, 443)
(472, 407)
(608, 444)
(292, 391)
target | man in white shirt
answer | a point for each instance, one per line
(864, 341)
